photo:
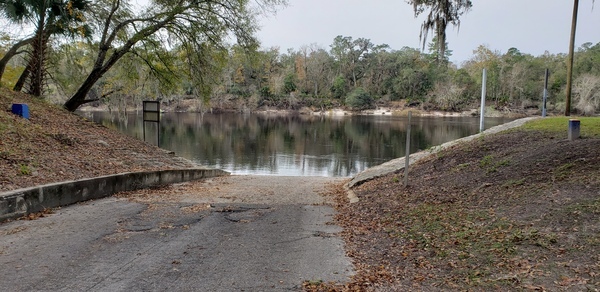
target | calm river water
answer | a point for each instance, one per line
(292, 145)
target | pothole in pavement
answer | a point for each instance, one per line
(164, 216)
(242, 213)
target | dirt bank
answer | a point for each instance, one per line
(512, 211)
(55, 145)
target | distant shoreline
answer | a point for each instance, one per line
(393, 111)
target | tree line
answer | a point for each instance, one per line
(359, 74)
(106, 51)
(352, 73)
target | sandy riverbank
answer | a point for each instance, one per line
(338, 112)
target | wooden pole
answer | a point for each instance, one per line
(570, 60)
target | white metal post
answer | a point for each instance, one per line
(545, 93)
(483, 92)
(407, 156)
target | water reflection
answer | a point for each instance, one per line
(292, 145)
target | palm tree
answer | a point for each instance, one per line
(15, 12)
(50, 17)
(441, 14)
(13, 51)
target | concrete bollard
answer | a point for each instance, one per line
(574, 129)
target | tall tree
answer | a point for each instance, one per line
(189, 23)
(434, 51)
(48, 17)
(351, 56)
(441, 14)
(318, 69)
(18, 12)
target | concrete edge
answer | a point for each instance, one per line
(356, 181)
(21, 202)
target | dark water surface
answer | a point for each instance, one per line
(292, 145)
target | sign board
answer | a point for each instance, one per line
(151, 113)
(151, 117)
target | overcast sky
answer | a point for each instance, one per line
(532, 26)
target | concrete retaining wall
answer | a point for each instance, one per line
(22, 202)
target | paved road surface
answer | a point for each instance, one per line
(259, 233)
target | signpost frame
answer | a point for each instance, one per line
(151, 113)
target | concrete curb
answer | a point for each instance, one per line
(21, 202)
(398, 163)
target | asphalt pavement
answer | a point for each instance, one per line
(119, 244)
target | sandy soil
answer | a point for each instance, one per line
(245, 189)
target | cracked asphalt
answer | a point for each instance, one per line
(237, 233)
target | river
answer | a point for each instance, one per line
(299, 145)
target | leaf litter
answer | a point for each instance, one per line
(513, 211)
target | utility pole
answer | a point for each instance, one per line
(570, 60)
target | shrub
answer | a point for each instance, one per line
(587, 94)
(265, 91)
(289, 85)
(359, 99)
(338, 89)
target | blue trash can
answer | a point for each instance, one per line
(21, 109)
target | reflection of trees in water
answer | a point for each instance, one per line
(296, 145)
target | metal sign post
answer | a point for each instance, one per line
(483, 93)
(407, 156)
(152, 114)
(545, 93)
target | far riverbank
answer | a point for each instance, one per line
(394, 109)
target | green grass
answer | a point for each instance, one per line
(488, 163)
(563, 171)
(460, 167)
(513, 183)
(590, 127)
(24, 169)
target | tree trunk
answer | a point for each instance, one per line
(353, 74)
(441, 37)
(78, 99)
(23, 78)
(13, 51)
(101, 67)
(38, 58)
